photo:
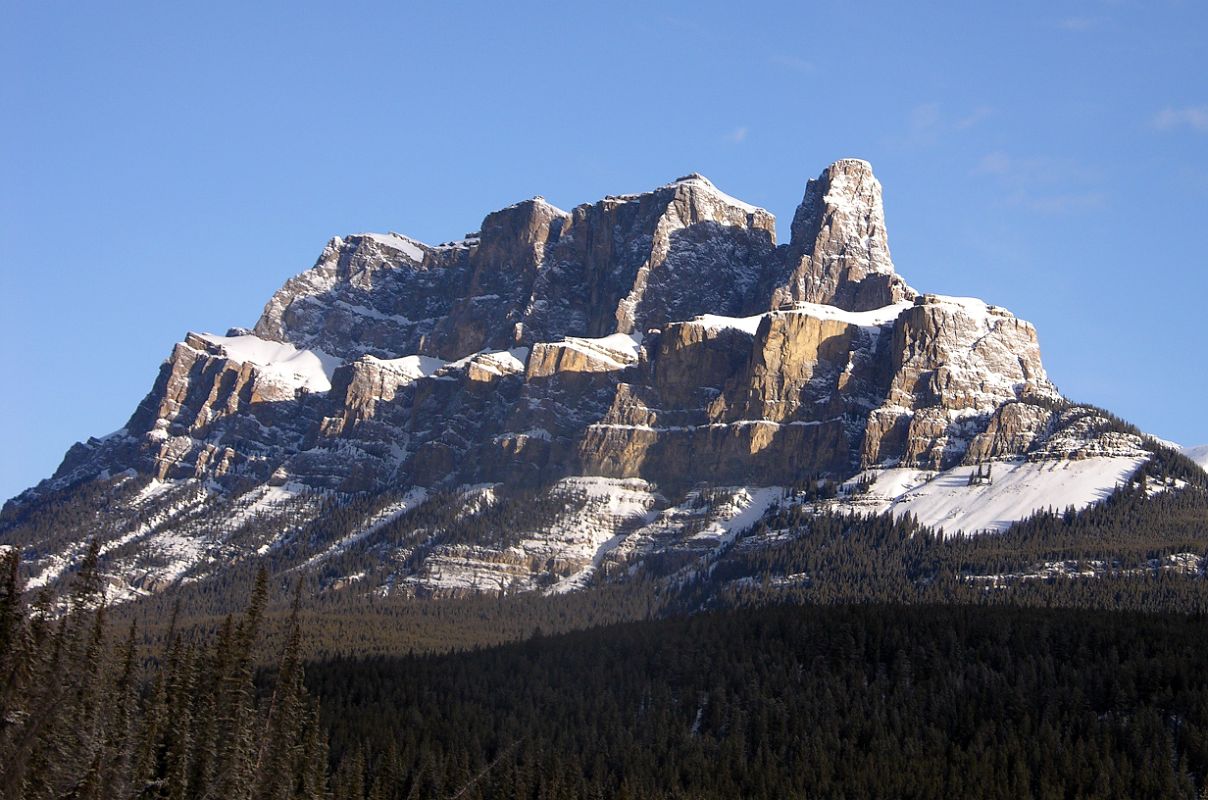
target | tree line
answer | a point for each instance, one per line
(85, 715)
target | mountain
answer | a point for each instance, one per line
(1198, 454)
(562, 396)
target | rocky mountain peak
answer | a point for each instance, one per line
(701, 250)
(714, 203)
(641, 346)
(839, 251)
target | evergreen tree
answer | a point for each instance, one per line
(279, 765)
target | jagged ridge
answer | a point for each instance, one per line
(661, 337)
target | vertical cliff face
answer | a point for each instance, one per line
(661, 338)
(533, 273)
(624, 264)
(954, 362)
(927, 383)
(368, 293)
(505, 261)
(660, 335)
(839, 252)
(633, 262)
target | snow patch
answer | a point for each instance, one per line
(498, 362)
(1198, 454)
(303, 369)
(404, 244)
(742, 510)
(701, 182)
(410, 367)
(875, 318)
(864, 319)
(616, 351)
(627, 344)
(1017, 489)
(715, 322)
(264, 500)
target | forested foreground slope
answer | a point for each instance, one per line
(90, 715)
(855, 701)
(815, 655)
(1142, 549)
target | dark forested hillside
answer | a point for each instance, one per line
(88, 715)
(1136, 550)
(1139, 550)
(856, 702)
(844, 657)
(815, 655)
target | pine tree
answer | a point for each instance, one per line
(236, 769)
(350, 777)
(147, 767)
(33, 690)
(208, 683)
(313, 783)
(80, 721)
(86, 713)
(120, 736)
(10, 618)
(179, 745)
(16, 660)
(64, 729)
(277, 765)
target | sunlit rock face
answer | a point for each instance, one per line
(640, 347)
(839, 252)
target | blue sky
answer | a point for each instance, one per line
(166, 166)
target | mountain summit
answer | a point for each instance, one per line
(839, 254)
(610, 365)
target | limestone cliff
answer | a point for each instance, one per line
(839, 253)
(658, 342)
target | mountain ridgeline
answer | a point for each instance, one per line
(563, 396)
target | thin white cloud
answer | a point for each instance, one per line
(973, 118)
(925, 119)
(1193, 117)
(996, 163)
(688, 24)
(1043, 185)
(1080, 24)
(928, 123)
(737, 136)
(794, 63)
(1058, 203)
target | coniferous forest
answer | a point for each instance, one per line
(853, 657)
(86, 715)
(863, 700)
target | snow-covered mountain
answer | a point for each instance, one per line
(562, 394)
(1198, 454)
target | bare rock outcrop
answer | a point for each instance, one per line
(954, 362)
(661, 338)
(839, 252)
